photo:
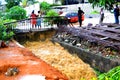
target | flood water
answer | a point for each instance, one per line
(55, 55)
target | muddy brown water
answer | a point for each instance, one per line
(54, 54)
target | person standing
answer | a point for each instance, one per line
(33, 19)
(39, 19)
(116, 14)
(80, 14)
(101, 16)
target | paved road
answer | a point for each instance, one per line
(87, 8)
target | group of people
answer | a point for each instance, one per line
(35, 19)
(116, 14)
(115, 11)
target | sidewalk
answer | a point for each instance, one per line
(109, 18)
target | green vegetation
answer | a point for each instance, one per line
(95, 12)
(107, 4)
(113, 74)
(11, 3)
(97, 72)
(24, 3)
(52, 17)
(16, 13)
(28, 2)
(5, 32)
(45, 7)
(51, 13)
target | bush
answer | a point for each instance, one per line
(53, 17)
(5, 33)
(9, 26)
(44, 6)
(51, 13)
(16, 13)
(113, 74)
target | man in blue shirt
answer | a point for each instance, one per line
(116, 14)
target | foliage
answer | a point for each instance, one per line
(97, 72)
(9, 26)
(51, 13)
(54, 5)
(113, 74)
(5, 33)
(24, 3)
(28, 2)
(1, 14)
(52, 17)
(16, 13)
(62, 2)
(95, 12)
(107, 4)
(66, 2)
(44, 6)
(11, 3)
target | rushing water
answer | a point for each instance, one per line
(55, 55)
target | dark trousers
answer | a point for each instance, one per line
(80, 22)
(101, 18)
(116, 19)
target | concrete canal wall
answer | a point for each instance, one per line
(96, 61)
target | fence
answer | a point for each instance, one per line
(45, 22)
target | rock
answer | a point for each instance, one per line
(11, 72)
(3, 44)
(67, 41)
(78, 44)
(74, 42)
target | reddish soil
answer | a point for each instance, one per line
(26, 63)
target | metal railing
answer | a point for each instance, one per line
(26, 25)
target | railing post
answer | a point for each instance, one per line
(25, 25)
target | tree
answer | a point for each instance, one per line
(5, 33)
(24, 3)
(107, 4)
(16, 13)
(28, 2)
(44, 6)
(52, 17)
(11, 3)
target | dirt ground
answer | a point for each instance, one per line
(18, 63)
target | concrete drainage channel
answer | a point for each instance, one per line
(96, 61)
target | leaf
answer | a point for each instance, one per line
(102, 77)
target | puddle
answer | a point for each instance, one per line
(33, 77)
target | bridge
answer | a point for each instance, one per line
(25, 25)
(108, 34)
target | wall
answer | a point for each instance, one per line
(34, 36)
(96, 61)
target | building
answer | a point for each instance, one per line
(2, 2)
(2, 5)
